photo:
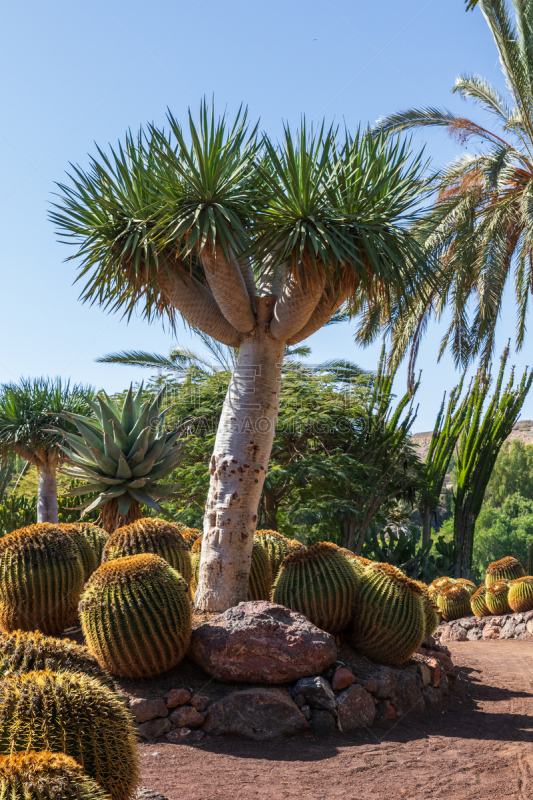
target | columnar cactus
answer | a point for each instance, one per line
(35, 776)
(468, 585)
(506, 569)
(497, 598)
(520, 596)
(319, 582)
(76, 715)
(453, 602)
(42, 578)
(478, 602)
(260, 579)
(430, 608)
(149, 535)
(28, 651)
(95, 535)
(389, 622)
(136, 616)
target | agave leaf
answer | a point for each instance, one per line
(87, 421)
(160, 492)
(123, 470)
(155, 408)
(171, 441)
(111, 493)
(144, 498)
(112, 449)
(106, 415)
(137, 400)
(139, 426)
(141, 443)
(138, 483)
(124, 504)
(120, 436)
(98, 503)
(92, 437)
(76, 443)
(136, 459)
(88, 474)
(89, 488)
(157, 448)
(115, 411)
(128, 413)
(104, 462)
(83, 462)
(143, 468)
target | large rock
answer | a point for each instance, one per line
(261, 642)
(355, 708)
(259, 714)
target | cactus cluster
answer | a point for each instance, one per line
(390, 620)
(467, 585)
(478, 602)
(506, 569)
(136, 617)
(439, 583)
(95, 535)
(520, 595)
(319, 582)
(430, 608)
(497, 597)
(42, 578)
(28, 651)
(190, 535)
(150, 535)
(73, 714)
(277, 547)
(54, 776)
(453, 601)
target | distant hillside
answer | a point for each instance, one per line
(522, 430)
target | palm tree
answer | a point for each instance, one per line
(482, 226)
(256, 244)
(28, 412)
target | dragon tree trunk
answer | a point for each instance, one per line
(47, 510)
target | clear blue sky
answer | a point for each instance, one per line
(75, 73)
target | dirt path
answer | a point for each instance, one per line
(478, 747)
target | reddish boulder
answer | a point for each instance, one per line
(187, 717)
(342, 679)
(177, 697)
(259, 714)
(261, 642)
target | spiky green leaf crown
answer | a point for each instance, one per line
(123, 453)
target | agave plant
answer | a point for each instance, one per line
(122, 454)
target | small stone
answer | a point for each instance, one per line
(178, 697)
(306, 711)
(154, 728)
(299, 699)
(385, 711)
(508, 629)
(519, 618)
(425, 673)
(342, 679)
(372, 686)
(200, 702)
(491, 632)
(432, 696)
(144, 709)
(386, 680)
(181, 735)
(149, 794)
(322, 722)
(474, 635)
(454, 633)
(317, 693)
(187, 717)
(528, 616)
(428, 641)
(466, 622)
(529, 624)
(355, 708)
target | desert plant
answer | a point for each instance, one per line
(506, 569)
(95, 535)
(189, 534)
(260, 578)
(319, 582)
(453, 602)
(389, 620)
(439, 583)
(122, 454)
(35, 776)
(478, 602)
(277, 547)
(136, 617)
(497, 597)
(28, 651)
(42, 577)
(150, 535)
(73, 714)
(520, 595)
(468, 585)
(17, 511)
(87, 553)
(430, 608)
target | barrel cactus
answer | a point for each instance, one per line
(76, 715)
(389, 622)
(28, 651)
(453, 602)
(520, 596)
(136, 616)
(42, 578)
(319, 582)
(436, 585)
(149, 535)
(359, 562)
(95, 535)
(468, 585)
(277, 547)
(430, 608)
(88, 555)
(506, 569)
(497, 598)
(36, 776)
(260, 578)
(190, 535)
(478, 602)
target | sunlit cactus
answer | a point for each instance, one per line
(74, 714)
(520, 597)
(260, 578)
(149, 535)
(46, 776)
(358, 562)
(190, 535)
(28, 651)
(453, 601)
(436, 585)
(506, 569)
(95, 535)
(497, 598)
(319, 582)
(430, 608)
(468, 585)
(389, 622)
(277, 547)
(88, 555)
(136, 617)
(42, 578)
(478, 602)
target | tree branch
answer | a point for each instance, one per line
(296, 304)
(227, 284)
(332, 299)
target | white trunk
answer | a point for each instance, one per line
(47, 496)
(238, 467)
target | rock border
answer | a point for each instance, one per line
(475, 629)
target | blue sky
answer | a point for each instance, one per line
(79, 73)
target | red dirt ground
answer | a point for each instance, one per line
(476, 747)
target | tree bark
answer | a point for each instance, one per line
(464, 523)
(47, 510)
(111, 518)
(239, 466)
(271, 510)
(349, 533)
(426, 525)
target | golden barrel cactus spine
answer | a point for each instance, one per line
(42, 578)
(95, 535)
(497, 598)
(520, 595)
(36, 776)
(431, 610)
(478, 602)
(88, 555)
(136, 616)
(453, 602)
(318, 582)
(277, 547)
(73, 714)
(436, 585)
(467, 585)
(506, 569)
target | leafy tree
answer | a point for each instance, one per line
(257, 244)
(29, 411)
(505, 530)
(512, 473)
